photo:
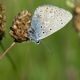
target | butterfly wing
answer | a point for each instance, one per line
(47, 20)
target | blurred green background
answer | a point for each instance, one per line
(57, 57)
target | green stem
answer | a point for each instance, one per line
(4, 53)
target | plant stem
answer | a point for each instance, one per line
(4, 53)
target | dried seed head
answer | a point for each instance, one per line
(77, 9)
(21, 23)
(77, 17)
(2, 20)
(77, 22)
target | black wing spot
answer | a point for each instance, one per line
(50, 29)
(43, 32)
(61, 23)
(41, 26)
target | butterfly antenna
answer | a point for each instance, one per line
(4, 53)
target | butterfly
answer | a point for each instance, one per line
(46, 20)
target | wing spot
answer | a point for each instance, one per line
(61, 23)
(47, 8)
(50, 29)
(41, 26)
(55, 10)
(61, 20)
(51, 11)
(43, 32)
